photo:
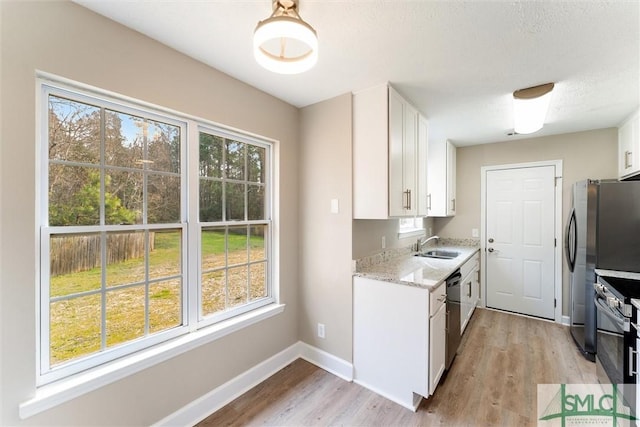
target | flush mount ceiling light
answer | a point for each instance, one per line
(284, 43)
(530, 108)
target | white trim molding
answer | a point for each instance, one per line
(199, 409)
(330, 363)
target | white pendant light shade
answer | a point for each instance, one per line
(530, 108)
(284, 43)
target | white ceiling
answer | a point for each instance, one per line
(457, 61)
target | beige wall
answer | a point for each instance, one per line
(325, 250)
(68, 40)
(591, 154)
(367, 235)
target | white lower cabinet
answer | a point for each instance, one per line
(397, 353)
(437, 337)
(470, 290)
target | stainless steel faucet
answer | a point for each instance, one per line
(421, 242)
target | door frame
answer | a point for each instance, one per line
(558, 250)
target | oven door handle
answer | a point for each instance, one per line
(604, 308)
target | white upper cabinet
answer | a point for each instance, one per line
(629, 147)
(441, 171)
(389, 136)
(423, 190)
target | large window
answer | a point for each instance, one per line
(136, 248)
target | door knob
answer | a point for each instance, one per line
(490, 240)
(490, 249)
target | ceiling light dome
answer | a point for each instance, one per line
(530, 107)
(284, 43)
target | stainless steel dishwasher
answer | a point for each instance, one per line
(453, 316)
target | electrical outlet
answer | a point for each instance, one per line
(384, 242)
(321, 330)
(474, 232)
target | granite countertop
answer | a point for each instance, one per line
(418, 271)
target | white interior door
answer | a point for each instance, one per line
(520, 240)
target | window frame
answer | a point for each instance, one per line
(188, 224)
(217, 317)
(415, 229)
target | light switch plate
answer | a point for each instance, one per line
(321, 330)
(474, 232)
(335, 206)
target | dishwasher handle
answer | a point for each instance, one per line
(454, 279)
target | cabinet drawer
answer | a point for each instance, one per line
(471, 264)
(437, 298)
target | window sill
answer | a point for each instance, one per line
(416, 232)
(51, 395)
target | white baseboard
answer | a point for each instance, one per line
(330, 363)
(566, 320)
(199, 409)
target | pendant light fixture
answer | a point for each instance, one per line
(530, 107)
(284, 43)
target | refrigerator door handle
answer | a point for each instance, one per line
(571, 241)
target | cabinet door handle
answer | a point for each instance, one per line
(453, 205)
(469, 291)
(429, 201)
(627, 162)
(406, 195)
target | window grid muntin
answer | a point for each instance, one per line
(48, 374)
(102, 165)
(228, 309)
(226, 313)
(104, 291)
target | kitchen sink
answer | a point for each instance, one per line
(439, 254)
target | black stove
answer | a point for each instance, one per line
(624, 289)
(616, 334)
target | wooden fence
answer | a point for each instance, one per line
(71, 254)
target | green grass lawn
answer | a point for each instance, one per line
(164, 260)
(76, 323)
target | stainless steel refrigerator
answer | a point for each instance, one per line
(603, 231)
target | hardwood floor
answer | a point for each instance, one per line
(492, 381)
